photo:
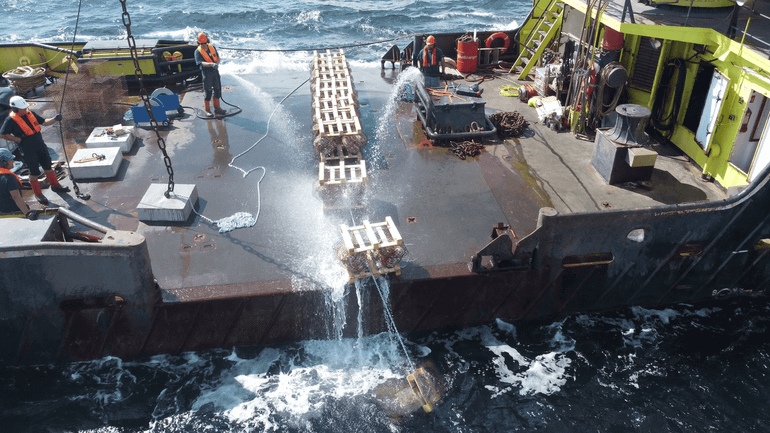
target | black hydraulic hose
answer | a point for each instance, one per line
(237, 110)
(657, 118)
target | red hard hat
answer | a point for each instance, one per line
(431, 40)
(202, 39)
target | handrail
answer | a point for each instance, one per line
(82, 220)
(55, 48)
(540, 19)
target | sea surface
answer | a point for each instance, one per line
(685, 368)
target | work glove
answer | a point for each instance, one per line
(57, 118)
(32, 214)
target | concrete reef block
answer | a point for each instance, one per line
(154, 206)
(100, 163)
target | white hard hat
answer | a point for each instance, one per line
(18, 102)
(5, 154)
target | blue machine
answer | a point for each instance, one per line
(164, 104)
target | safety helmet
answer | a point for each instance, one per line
(18, 102)
(431, 40)
(202, 39)
(5, 154)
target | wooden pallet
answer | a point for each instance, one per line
(365, 243)
(335, 109)
(341, 169)
(370, 236)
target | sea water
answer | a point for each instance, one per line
(683, 369)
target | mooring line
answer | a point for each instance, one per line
(394, 330)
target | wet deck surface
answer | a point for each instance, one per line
(444, 207)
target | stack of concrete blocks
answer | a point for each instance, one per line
(103, 154)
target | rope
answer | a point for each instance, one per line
(267, 130)
(25, 78)
(78, 194)
(509, 91)
(243, 219)
(274, 50)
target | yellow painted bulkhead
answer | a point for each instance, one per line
(746, 69)
(696, 45)
(14, 56)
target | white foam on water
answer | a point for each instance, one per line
(257, 397)
(665, 316)
(545, 374)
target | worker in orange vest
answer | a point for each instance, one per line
(432, 62)
(207, 58)
(23, 126)
(11, 200)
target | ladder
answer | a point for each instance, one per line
(545, 28)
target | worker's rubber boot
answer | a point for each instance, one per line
(217, 109)
(207, 108)
(33, 182)
(54, 181)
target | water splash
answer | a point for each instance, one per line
(410, 76)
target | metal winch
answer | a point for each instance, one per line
(622, 153)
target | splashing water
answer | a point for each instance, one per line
(411, 77)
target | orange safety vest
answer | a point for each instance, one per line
(6, 171)
(23, 125)
(205, 53)
(433, 61)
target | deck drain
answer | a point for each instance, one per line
(212, 168)
(218, 176)
(411, 220)
(200, 176)
(199, 237)
(507, 157)
(156, 178)
(186, 248)
(208, 246)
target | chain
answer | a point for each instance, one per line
(146, 99)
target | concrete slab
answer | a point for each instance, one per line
(101, 138)
(87, 164)
(154, 206)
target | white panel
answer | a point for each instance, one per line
(762, 158)
(709, 117)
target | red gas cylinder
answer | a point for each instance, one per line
(467, 56)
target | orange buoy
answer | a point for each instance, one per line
(467, 56)
(499, 35)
